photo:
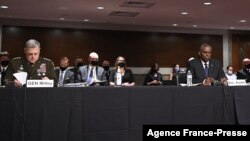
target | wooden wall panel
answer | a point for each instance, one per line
(140, 49)
(240, 49)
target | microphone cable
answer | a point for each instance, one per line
(226, 103)
(19, 111)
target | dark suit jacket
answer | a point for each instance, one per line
(196, 67)
(243, 74)
(3, 73)
(68, 77)
(151, 76)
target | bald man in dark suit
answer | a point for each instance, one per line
(206, 70)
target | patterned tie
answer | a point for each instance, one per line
(60, 82)
(90, 78)
(206, 69)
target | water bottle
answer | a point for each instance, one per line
(189, 78)
(118, 77)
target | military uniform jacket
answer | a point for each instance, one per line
(43, 67)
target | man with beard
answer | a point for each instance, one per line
(92, 74)
(4, 60)
(206, 70)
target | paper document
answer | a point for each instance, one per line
(76, 85)
(197, 84)
(99, 81)
(21, 76)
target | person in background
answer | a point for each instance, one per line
(127, 75)
(36, 67)
(63, 74)
(4, 60)
(154, 77)
(206, 70)
(92, 73)
(230, 73)
(244, 73)
(175, 71)
(78, 64)
(107, 71)
(190, 59)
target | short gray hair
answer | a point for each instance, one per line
(32, 43)
(205, 45)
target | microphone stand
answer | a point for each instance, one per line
(177, 78)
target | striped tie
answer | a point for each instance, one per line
(60, 82)
(90, 78)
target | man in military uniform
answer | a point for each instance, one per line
(36, 67)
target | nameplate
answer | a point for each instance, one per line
(39, 83)
(239, 82)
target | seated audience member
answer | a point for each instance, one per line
(37, 67)
(230, 73)
(107, 71)
(4, 60)
(206, 70)
(190, 59)
(63, 74)
(92, 73)
(153, 77)
(78, 64)
(127, 75)
(244, 73)
(175, 71)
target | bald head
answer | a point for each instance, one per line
(205, 52)
(93, 59)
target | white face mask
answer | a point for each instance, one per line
(177, 69)
(230, 72)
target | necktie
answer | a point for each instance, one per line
(60, 82)
(91, 73)
(90, 78)
(206, 69)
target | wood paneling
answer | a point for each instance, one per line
(240, 49)
(140, 49)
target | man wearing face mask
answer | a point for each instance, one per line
(229, 74)
(78, 64)
(91, 73)
(245, 72)
(4, 59)
(153, 78)
(63, 74)
(106, 67)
